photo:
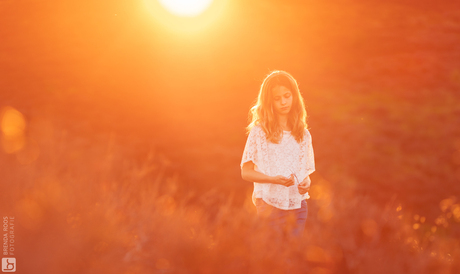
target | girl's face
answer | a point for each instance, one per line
(282, 100)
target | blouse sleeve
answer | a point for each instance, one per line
(252, 148)
(310, 155)
(308, 160)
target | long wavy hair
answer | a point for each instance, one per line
(262, 112)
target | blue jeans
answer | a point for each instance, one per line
(285, 221)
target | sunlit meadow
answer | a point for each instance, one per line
(101, 204)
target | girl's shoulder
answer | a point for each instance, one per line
(307, 135)
(257, 128)
(257, 131)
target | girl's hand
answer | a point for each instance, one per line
(285, 181)
(304, 186)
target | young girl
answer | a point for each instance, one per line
(278, 156)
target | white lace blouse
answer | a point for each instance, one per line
(284, 158)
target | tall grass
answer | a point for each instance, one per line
(100, 204)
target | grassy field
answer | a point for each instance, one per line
(106, 203)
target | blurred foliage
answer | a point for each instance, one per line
(100, 206)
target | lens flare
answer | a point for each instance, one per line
(12, 122)
(12, 129)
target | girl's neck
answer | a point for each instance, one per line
(283, 122)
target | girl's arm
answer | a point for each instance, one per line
(249, 174)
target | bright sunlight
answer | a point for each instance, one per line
(186, 8)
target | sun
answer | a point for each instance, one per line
(187, 17)
(186, 8)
